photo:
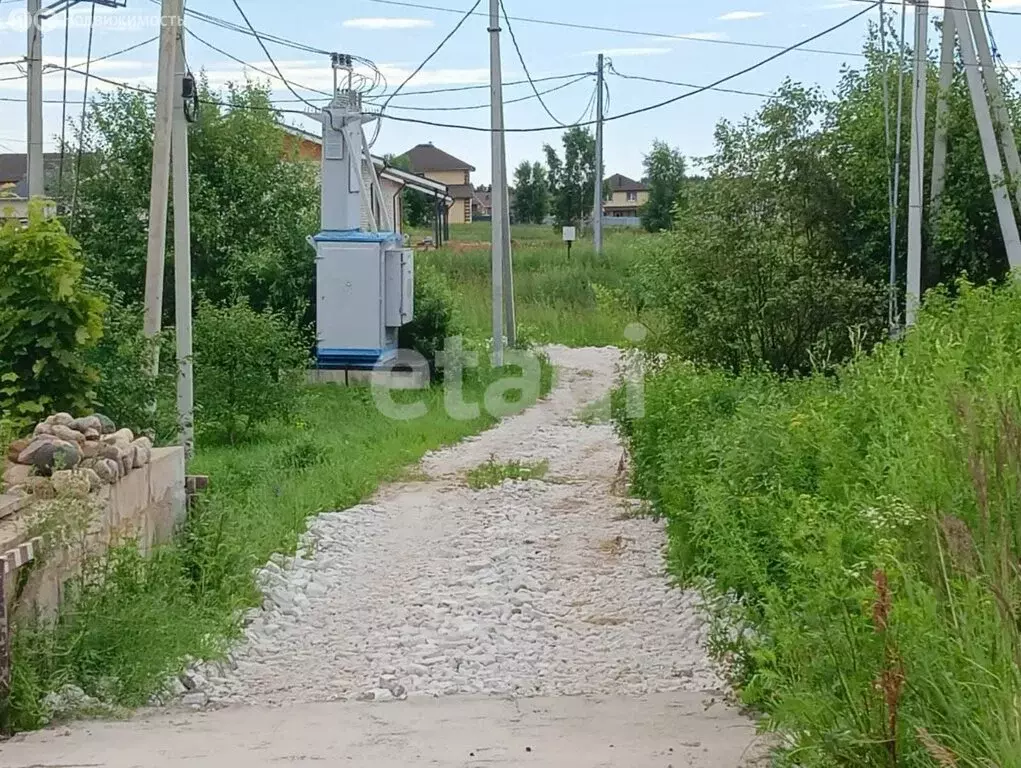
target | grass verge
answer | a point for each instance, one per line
(131, 622)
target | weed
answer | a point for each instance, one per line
(492, 472)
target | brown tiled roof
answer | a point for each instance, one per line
(621, 183)
(426, 158)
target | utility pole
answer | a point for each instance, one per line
(509, 312)
(159, 190)
(946, 78)
(915, 188)
(34, 62)
(597, 211)
(499, 177)
(182, 254)
(987, 133)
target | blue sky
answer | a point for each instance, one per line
(398, 38)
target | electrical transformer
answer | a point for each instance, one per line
(365, 280)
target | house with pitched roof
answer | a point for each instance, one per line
(435, 164)
(624, 196)
(14, 182)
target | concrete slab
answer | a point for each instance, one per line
(683, 729)
(358, 378)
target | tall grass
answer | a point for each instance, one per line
(132, 621)
(862, 531)
(560, 298)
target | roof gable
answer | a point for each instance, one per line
(621, 183)
(426, 158)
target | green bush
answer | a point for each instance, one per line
(48, 319)
(125, 389)
(861, 533)
(435, 318)
(249, 370)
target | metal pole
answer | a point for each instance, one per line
(946, 79)
(182, 259)
(994, 165)
(1000, 113)
(499, 182)
(160, 186)
(597, 211)
(34, 62)
(917, 163)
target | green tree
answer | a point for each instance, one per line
(664, 168)
(531, 193)
(48, 320)
(572, 179)
(253, 202)
(417, 208)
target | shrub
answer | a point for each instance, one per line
(863, 530)
(435, 318)
(125, 389)
(249, 369)
(48, 319)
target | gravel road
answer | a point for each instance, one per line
(537, 590)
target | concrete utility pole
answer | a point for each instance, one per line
(597, 210)
(170, 11)
(916, 184)
(499, 177)
(34, 62)
(946, 79)
(987, 133)
(182, 257)
(509, 312)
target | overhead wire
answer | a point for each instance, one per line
(614, 71)
(518, 100)
(623, 31)
(420, 67)
(658, 105)
(81, 137)
(524, 66)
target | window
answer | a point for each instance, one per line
(632, 197)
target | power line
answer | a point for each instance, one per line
(658, 105)
(425, 61)
(613, 70)
(634, 32)
(1000, 11)
(518, 100)
(524, 66)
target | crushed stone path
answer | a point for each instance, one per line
(504, 600)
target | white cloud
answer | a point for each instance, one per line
(387, 23)
(741, 15)
(629, 52)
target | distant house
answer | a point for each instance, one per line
(309, 146)
(624, 196)
(482, 203)
(433, 163)
(14, 182)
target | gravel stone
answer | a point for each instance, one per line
(529, 588)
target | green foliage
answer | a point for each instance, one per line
(436, 318)
(751, 276)
(249, 369)
(125, 389)
(861, 533)
(531, 194)
(572, 179)
(48, 319)
(253, 202)
(492, 472)
(664, 168)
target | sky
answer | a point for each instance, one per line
(679, 40)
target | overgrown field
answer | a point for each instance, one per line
(861, 530)
(132, 626)
(560, 298)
